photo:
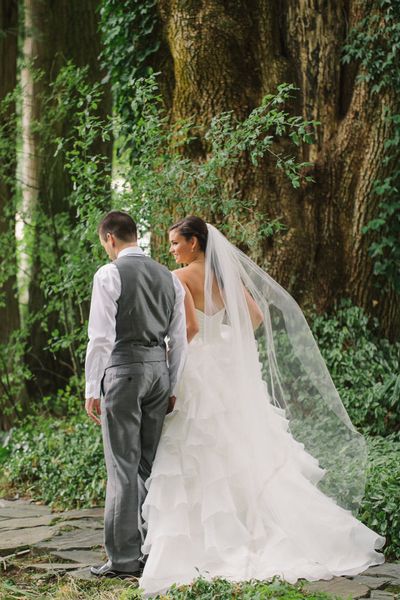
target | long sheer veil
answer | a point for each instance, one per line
(282, 361)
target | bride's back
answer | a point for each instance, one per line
(193, 276)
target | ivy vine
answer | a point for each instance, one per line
(375, 43)
(130, 38)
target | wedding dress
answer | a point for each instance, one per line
(234, 490)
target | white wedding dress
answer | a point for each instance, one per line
(232, 493)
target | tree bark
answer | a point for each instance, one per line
(56, 32)
(9, 307)
(225, 55)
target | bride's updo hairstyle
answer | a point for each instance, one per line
(192, 227)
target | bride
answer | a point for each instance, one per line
(259, 470)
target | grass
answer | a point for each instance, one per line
(65, 588)
(20, 583)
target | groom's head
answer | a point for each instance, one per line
(117, 230)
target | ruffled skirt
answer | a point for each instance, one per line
(232, 494)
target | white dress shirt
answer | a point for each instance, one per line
(101, 329)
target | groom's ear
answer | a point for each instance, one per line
(110, 237)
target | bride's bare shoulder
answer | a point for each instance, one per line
(181, 274)
(191, 276)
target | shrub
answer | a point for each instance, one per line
(380, 509)
(364, 366)
(58, 461)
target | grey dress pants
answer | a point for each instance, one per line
(133, 406)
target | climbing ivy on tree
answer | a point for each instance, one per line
(375, 43)
(129, 29)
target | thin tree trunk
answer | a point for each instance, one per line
(226, 56)
(56, 32)
(9, 308)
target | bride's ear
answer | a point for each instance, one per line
(195, 244)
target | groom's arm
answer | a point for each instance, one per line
(177, 336)
(101, 330)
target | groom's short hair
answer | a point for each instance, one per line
(119, 224)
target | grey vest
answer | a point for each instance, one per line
(145, 309)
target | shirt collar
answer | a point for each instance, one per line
(130, 251)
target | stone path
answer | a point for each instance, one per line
(72, 540)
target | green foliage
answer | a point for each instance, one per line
(57, 461)
(13, 373)
(203, 589)
(365, 369)
(380, 509)
(66, 234)
(16, 587)
(159, 184)
(163, 183)
(22, 584)
(130, 39)
(59, 249)
(364, 366)
(13, 370)
(375, 44)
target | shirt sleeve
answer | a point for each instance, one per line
(177, 336)
(101, 329)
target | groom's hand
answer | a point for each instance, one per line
(171, 404)
(92, 407)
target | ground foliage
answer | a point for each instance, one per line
(57, 461)
(380, 506)
(365, 367)
(19, 584)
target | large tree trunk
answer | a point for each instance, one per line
(56, 32)
(9, 309)
(225, 56)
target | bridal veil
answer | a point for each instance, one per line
(282, 357)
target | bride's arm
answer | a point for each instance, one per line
(256, 315)
(192, 325)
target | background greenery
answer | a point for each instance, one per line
(140, 152)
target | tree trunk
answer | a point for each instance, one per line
(9, 309)
(223, 56)
(56, 32)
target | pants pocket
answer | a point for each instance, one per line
(128, 371)
(102, 392)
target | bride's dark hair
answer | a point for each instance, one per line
(192, 226)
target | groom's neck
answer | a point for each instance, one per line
(123, 246)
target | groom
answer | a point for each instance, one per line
(136, 303)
